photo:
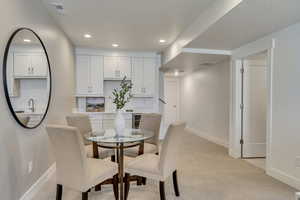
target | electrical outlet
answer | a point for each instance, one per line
(30, 167)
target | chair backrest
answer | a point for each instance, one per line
(82, 122)
(70, 155)
(170, 146)
(152, 123)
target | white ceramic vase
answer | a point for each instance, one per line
(120, 123)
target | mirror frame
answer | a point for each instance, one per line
(4, 75)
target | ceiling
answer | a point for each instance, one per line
(188, 62)
(133, 24)
(249, 21)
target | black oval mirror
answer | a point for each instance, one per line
(27, 78)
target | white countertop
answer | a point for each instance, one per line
(111, 112)
(30, 113)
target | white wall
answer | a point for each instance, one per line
(17, 145)
(204, 102)
(284, 137)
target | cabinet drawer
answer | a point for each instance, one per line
(108, 123)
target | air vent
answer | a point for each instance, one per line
(59, 7)
(207, 63)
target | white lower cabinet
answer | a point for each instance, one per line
(102, 121)
(96, 122)
(34, 120)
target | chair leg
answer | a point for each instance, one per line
(98, 187)
(113, 158)
(127, 185)
(116, 186)
(59, 190)
(139, 181)
(85, 196)
(162, 190)
(175, 183)
(144, 180)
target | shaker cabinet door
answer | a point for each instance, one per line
(82, 74)
(39, 65)
(22, 65)
(96, 75)
(124, 66)
(111, 67)
(137, 76)
(149, 76)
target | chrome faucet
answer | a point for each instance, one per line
(31, 104)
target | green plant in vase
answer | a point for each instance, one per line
(121, 97)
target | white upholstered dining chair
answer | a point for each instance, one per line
(82, 122)
(73, 168)
(158, 167)
(151, 122)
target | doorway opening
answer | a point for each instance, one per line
(171, 108)
(253, 107)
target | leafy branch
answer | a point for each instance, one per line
(122, 95)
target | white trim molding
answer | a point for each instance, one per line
(36, 187)
(285, 178)
(206, 51)
(208, 137)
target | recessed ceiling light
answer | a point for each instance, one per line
(27, 40)
(115, 45)
(162, 41)
(87, 35)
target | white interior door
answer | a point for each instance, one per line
(171, 98)
(255, 110)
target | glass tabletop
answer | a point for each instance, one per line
(129, 136)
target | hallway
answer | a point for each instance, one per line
(206, 172)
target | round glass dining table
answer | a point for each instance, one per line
(130, 137)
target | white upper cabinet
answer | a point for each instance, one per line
(116, 68)
(30, 65)
(89, 75)
(143, 76)
(149, 76)
(39, 65)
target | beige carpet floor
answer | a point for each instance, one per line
(206, 172)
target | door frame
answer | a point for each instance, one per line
(235, 94)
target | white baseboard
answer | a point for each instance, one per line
(285, 178)
(33, 190)
(208, 137)
(234, 153)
